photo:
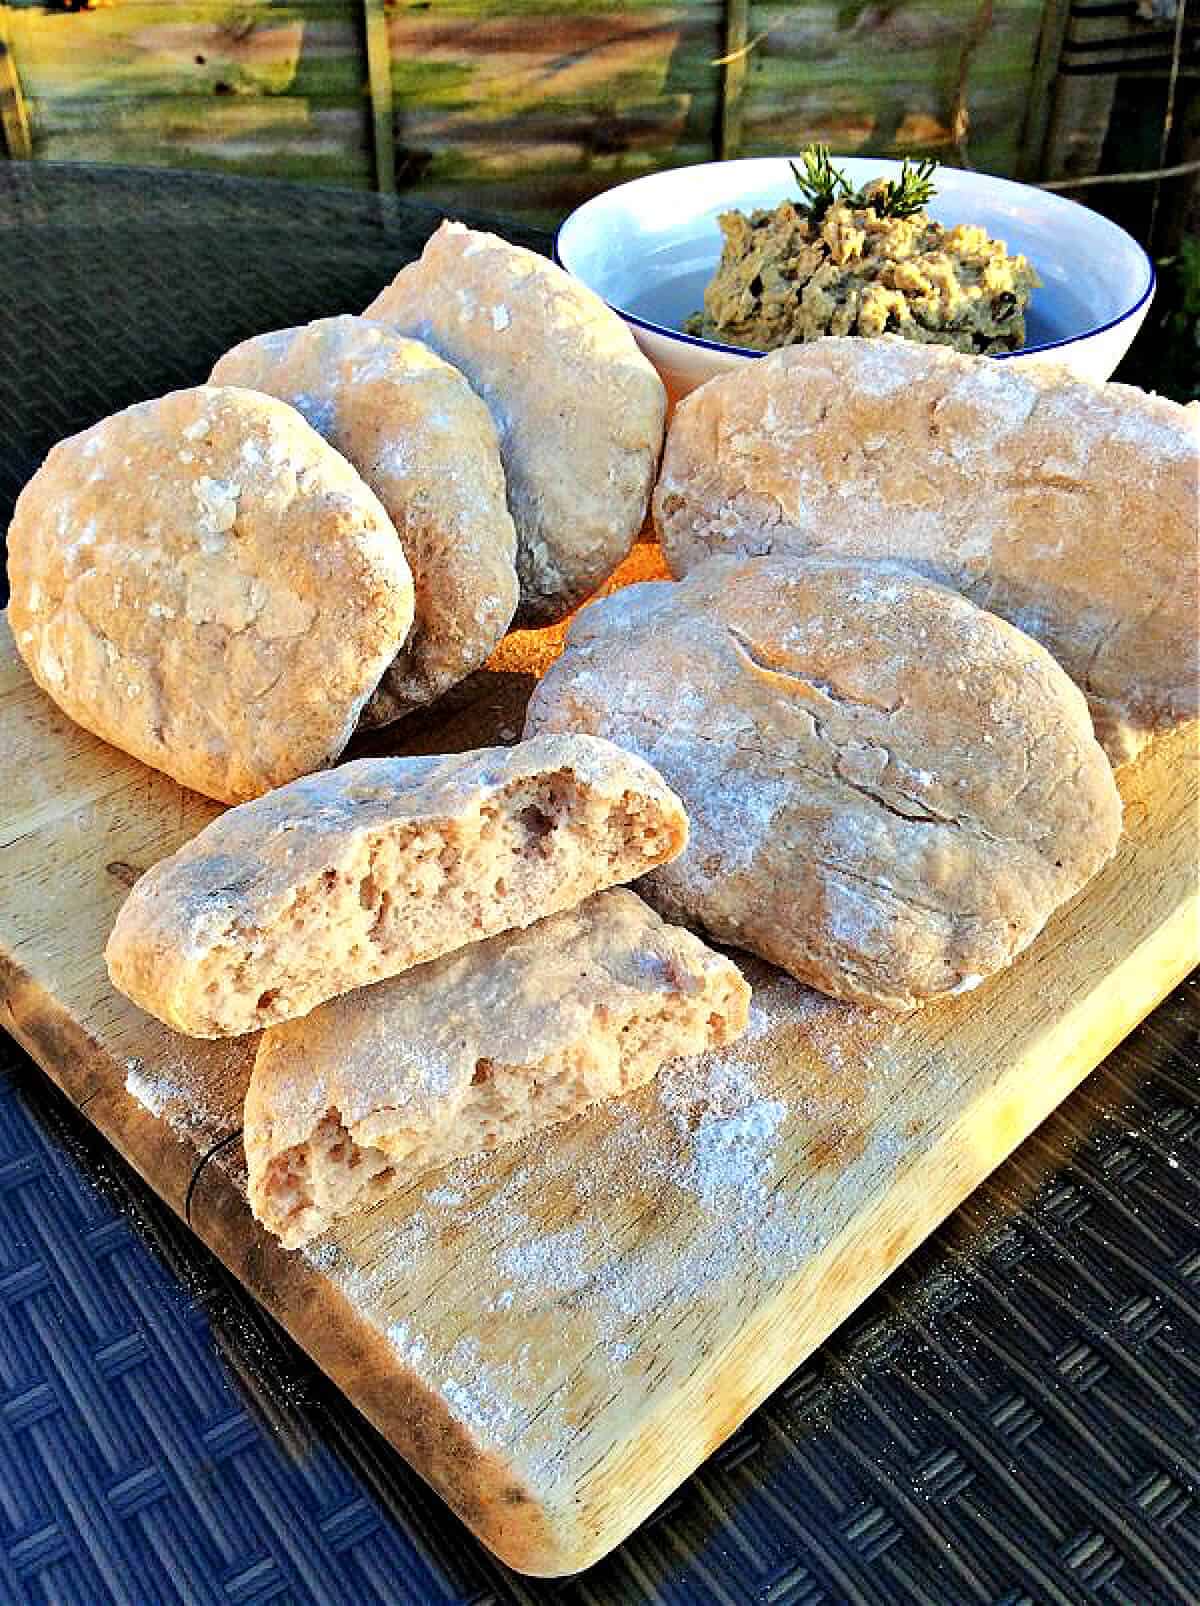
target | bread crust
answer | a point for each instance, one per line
(426, 445)
(578, 408)
(203, 581)
(889, 790)
(474, 1050)
(343, 878)
(1072, 509)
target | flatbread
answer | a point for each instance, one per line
(578, 409)
(425, 444)
(204, 582)
(472, 1051)
(889, 790)
(343, 878)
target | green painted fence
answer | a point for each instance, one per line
(527, 106)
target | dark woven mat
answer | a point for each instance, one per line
(1015, 1417)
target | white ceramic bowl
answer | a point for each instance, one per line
(650, 246)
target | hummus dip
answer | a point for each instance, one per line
(785, 277)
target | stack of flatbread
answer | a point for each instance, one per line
(342, 524)
(921, 600)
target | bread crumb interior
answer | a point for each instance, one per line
(331, 1175)
(411, 892)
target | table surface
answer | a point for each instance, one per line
(1014, 1417)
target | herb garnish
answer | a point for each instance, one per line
(820, 181)
(821, 185)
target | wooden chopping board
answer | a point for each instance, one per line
(556, 1336)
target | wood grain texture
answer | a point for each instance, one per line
(1030, 158)
(529, 108)
(533, 107)
(882, 79)
(251, 88)
(556, 1336)
(379, 83)
(14, 114)
(733, 63)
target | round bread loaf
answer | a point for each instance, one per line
(889, 790)
(426, 445)
(578, 409)
(1067, 507)
(204, 582)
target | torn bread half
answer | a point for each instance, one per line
(475, 1050)
(343, 878)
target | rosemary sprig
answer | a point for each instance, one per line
(820, 181)
(821, 184)
(908, 194)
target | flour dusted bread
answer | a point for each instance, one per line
(579, 410)
(1070, 508)
(203, 581)
(475, 1050)
(343, 878)
(889, 790)
(426, 445)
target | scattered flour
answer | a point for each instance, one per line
(320, 411)
(444, 1196)
(659, 1203)
(464, 1379)
(554, 1261)
(155, 1093)
(198, 1093)
(733, 1154)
